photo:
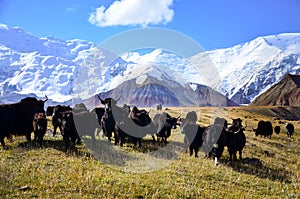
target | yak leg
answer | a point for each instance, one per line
(196, 152)
(54, 130)
(230, 155)
(40, 139)
(67, 143)
(28, 137)
(35, 136)
(191, 150)
(2, 142)
(216, 161)
(10, 138)
(60, 129)
(140, 142)
(116, 138)
(122, 139)
(107, 134)
(165, 140)
(234, 156)
(158, 139)
(153, 139)
(240, 154)
(78, 140)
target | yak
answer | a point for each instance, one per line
(289, 127)
(39, 126)
(215, 139)
(164, 122)
(135, 124)
(277, 129)
(49, 110)
(57, 117)
(69, 131)
(264, 128)
(193, 133)
(16, 118)
(235, 139)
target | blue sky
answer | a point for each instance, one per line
(212, 23)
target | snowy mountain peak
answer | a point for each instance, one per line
(154, 56)
(249, 69)
(60, 69)
(20, 41)
(3, 27)
(286, 41)
(181, 68)
(49, 66)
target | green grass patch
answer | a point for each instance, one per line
(270, 168)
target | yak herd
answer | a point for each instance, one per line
(126, 124)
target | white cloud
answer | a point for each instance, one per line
(133, 12)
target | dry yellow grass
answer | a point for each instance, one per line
(49, 172)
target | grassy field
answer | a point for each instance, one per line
(270, 169)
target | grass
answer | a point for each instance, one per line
(270, 169)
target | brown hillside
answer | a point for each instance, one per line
(284, 93)
(153, 92)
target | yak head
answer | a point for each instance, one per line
(40, 121)
(109, 103)
(237, 123)
(172, 121)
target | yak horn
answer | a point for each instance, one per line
(46, 98)
(118, 99)
(101, 100)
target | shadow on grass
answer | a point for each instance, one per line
(155, 148)
(107, 152)
(254, 166)
(60, 145)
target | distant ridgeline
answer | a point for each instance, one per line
(151, 93)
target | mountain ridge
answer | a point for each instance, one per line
(152, 92)
(58, 68)
(249, 69)
(284, 93)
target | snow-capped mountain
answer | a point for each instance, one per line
(249, 69)
(241, 72)
(49, 66)
(181, 67)
(64, 70)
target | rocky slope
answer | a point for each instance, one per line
(284, 93)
